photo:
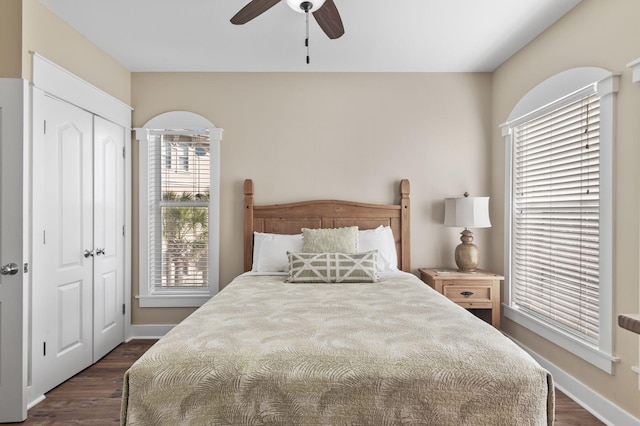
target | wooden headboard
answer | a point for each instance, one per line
(291, 218)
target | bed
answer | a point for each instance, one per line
(389, 351)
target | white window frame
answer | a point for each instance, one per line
(534, 103)
(149, 295)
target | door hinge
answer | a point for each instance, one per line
(44, 237)
(123, 234)
(124, 308)
(26, 268)
(45, 127)
(124, 152)
(44, 348)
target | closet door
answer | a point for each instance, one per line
(108, 231)
(63, 241)
(13, 280)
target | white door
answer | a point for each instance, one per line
(108, 317)
(13, 338)
(63, 240)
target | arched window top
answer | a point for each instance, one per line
(179, 123)
(178, 120)
(563, 84)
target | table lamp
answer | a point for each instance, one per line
(467, 212)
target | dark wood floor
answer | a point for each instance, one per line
(92, 397)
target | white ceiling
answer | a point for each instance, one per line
(380, 35)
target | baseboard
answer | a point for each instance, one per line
(605, 410)
(36, 401)
(149, 331)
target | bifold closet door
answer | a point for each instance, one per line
(108, 231)
(63, 241)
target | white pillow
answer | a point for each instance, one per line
(381, 239)
(270, 251)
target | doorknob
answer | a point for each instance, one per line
(9, 269)
(88, 253)
(100, 251)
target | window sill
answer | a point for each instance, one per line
(172, 301)
(588, 352)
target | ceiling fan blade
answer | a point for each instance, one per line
(253, 9)
(329, 19)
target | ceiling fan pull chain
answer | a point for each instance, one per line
(306, 41)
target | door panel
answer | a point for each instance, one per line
(108, 193)
(63, 217)
(70, 316)
(13, 288)
(69, 145)
(109, 298)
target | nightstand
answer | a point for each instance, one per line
(478, 291)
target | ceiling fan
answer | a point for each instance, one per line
(324, 11)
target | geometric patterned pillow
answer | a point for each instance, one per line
(333, 267)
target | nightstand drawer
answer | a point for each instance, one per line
(464, 282)
(481, 290)
(468, 294)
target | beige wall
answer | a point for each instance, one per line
(333, 135)
(10, 39)
(46, 34)
(607, 35)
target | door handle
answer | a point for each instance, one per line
(88, 253)
(9, 269)
(100, 251)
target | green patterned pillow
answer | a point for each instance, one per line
(330, 240)
(333, 267)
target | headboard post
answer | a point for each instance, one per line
(248, 224)
(406, 235)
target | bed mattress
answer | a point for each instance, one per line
(264, 351)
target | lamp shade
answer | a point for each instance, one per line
(467, 212)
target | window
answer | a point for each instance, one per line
(178, 212)
(183, 159)
(167, 156)
(179, 179)
(175, 154)
(559, 214)
(556, 202)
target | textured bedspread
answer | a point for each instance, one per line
(394, 352)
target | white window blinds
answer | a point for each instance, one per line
(179, 193)
(556, 215)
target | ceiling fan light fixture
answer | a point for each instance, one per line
(324, 12)
(297, 5)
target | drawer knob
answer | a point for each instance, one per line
(467, 293)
